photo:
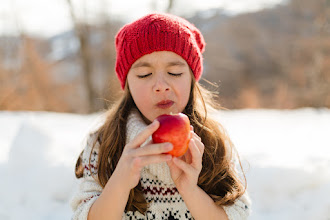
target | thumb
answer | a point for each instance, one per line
(173, 167)
(170, 163)
(175, 171)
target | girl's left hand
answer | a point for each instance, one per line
(186, 169)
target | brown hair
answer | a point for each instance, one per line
(218, 177)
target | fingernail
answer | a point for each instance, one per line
(169, 146)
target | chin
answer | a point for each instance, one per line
(168, 112)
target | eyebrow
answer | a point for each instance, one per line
(169, 64)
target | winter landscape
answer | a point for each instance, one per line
(285, 154)
(261, 55)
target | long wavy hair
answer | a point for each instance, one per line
(218, 178)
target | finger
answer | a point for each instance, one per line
(143, 135)
(172, 166)
(195, 153)
(193, 134)
(151, 149)
(175, 170)
(186, 157)
(170, 163)
(191, 128)
(182, 165)
(200, 146)
(151, 159)
(199, 142)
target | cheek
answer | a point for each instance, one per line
(139, 94)
(184, 94)
(136, 90)
(187, 95)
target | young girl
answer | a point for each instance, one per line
(124, 174)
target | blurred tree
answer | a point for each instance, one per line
(170, 6)
(155, 6)
(97, 58)
(83, 33)
(30, 86)
(274, 58)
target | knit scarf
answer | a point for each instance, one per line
(160, 171)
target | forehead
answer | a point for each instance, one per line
(160, 58)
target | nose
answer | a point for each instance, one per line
(161, 85)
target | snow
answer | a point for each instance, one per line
(285, 154)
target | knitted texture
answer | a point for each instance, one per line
(164, 200)
(89, 189)
(158, 32)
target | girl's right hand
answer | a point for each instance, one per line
(134, 157)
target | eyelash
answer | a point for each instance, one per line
(172, 74)
(175, 74)
(144, 76)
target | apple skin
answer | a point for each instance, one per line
(174, 128)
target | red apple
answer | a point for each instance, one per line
(175, 129)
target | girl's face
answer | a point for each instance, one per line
(160, 83)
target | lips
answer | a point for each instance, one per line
(165, 104)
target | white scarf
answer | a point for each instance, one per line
(160, 171)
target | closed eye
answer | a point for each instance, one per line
(175, 74)
(144, 76)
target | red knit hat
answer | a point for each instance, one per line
(158, 32)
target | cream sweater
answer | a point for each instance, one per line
(159, 189)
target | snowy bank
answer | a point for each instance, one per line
(285, 154)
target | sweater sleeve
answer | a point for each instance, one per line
(240, 210)
(89, 189)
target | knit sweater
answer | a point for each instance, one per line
(164, 200)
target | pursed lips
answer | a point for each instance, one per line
(165, 104)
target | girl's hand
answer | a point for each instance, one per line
(185, 170)
(134, 157)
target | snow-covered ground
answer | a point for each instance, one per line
(286, 156)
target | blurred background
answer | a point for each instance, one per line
(269, 61)
(59, 55)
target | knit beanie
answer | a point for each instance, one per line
(158, 32)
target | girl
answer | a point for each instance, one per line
(124, 174)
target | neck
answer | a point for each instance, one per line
(147, 121)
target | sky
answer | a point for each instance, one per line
(49, 17)
(285, 155)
